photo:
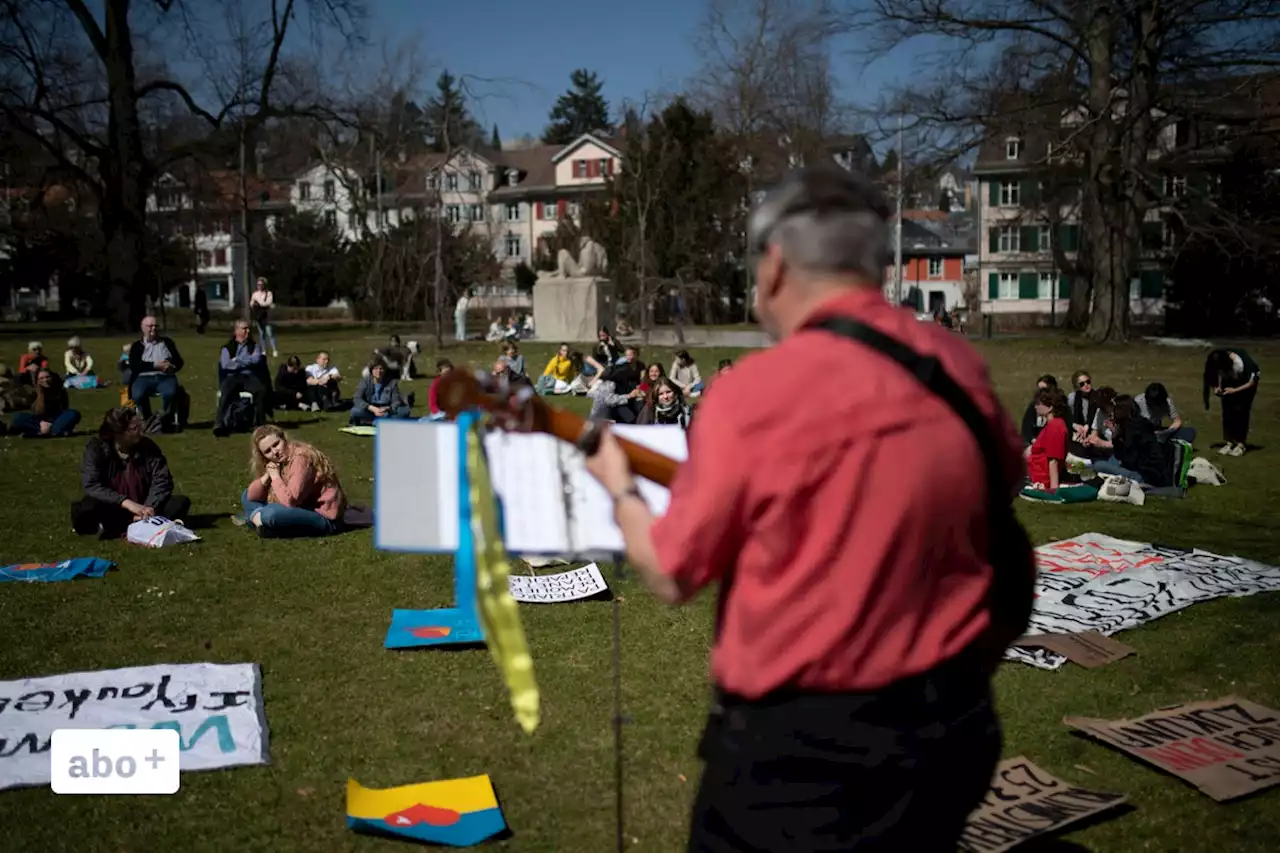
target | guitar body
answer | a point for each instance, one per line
(522, 409)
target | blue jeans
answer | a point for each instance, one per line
(281, 522)
(1186, 433)
(267, 334)
(28, 424)
(364, 417)
(164, 384)
(1113, 467)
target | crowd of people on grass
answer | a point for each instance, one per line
(1088, 429)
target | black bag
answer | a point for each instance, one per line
(240, 415)
(1011, 555)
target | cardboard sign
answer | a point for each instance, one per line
(1025, 802)
(565, 586)
(1088, 649)
(1227, 748)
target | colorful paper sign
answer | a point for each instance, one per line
(79, 567)
(456, 812)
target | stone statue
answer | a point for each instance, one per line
(591, 261)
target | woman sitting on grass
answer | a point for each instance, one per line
(1138, 453)
(295, 490)
(1047, 456)
(79, 367)
(1097, 444)
(126, 479)
(651, 375)
(515, 361)
(559, 369)
(377, 397)
(1032, 423)
(291, 385)
(685, 374)
(51, 415)
(665, 405)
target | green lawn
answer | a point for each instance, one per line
(314, 614)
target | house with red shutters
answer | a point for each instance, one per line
(538, 187)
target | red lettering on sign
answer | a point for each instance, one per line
(421, 813)
(431, 632)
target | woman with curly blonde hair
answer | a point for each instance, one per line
(295, 490)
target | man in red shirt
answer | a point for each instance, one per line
(854, 706)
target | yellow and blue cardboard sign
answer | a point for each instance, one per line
(455, 812)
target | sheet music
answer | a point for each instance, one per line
(417, 500)
(526, 474)
(416, 472)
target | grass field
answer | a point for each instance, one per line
(314, 614)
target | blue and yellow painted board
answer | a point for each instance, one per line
(456, 812)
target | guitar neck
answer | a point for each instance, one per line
(644, 462)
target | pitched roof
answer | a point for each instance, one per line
(583, 140)
(536, 168)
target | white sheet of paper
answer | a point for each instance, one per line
(416, 501)
(563, 586)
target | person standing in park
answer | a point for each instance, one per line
(1232, 376)
(260, 303)
(460, 317)
(871, 571)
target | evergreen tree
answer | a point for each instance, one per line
(449, 125)
(580, 110)
(496, 141)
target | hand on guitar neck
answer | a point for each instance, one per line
(521, 409)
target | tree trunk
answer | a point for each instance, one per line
(1111, 260)
(124, 177)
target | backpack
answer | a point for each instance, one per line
(240, 415)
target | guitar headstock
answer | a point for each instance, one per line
(513, 406)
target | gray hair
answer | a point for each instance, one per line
(825, 220)
(73, 342)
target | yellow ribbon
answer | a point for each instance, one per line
(499, 613)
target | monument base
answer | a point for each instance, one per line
(572, 309)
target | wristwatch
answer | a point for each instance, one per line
(630, 491)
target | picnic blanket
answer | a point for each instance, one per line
(78, 567)
(1093, 582)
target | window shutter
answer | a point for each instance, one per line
(1029, 192)
(1151, 284)
(1028, 285)
(539, 213)
(1029, 240)
(1064, 287)
(993, 286)
(993, 240)
(993, 193)
(1198, 184)
(1070, 238)
(561, 206)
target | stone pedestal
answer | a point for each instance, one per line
(572, 309)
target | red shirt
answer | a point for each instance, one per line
(855, 532)
(433, 400)
(1051, 443)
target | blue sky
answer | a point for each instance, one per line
(526, 50)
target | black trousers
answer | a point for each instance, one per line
(87, 513)
(1236, 410)
(231, 388)
(326, 395)
(896, 771)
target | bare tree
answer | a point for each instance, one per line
(78, 85)
(1099, 86)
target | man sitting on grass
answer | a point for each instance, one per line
(377, 396)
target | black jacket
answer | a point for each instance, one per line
(1031, 425)
(1140, 449)
(137, 365)
(102, 464)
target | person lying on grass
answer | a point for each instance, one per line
(125, 478)
(295, 490)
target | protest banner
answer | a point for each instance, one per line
(565, 586)
(1026, 802)
(216, 709)
(1227, 748)
(1096, 583)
